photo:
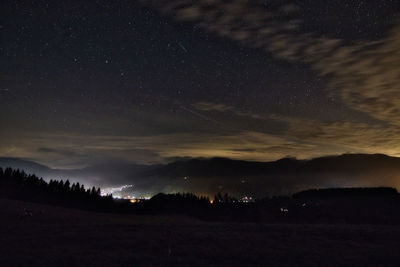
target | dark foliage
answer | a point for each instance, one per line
(335, 205)
(16, 184)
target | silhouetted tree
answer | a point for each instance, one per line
(17, 184)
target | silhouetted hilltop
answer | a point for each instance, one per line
(379, 205)
(352, 163)
(370, 192)
(27, 165)
(223, 166)
(208, 176)
(211, 167)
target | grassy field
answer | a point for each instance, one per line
(65, 237)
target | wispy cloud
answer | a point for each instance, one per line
(303, 138)
(209, 106)
(66, 153)
(221, 107)
(154, 148)
(366, 75)
(330, 137)
(350, 136)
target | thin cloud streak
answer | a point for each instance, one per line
(366, 75)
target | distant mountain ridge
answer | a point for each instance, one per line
(221, 174)
(224, 166)
(218, 165)
(22, 163)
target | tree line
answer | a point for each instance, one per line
(337, 205)
(16, 184)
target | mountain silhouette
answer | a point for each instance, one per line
(207, 176)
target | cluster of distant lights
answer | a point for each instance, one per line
(114, 190)
(132, 199)
(116, 194)
(245, 199)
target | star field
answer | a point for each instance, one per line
(126, 80)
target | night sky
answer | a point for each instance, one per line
(84, 82)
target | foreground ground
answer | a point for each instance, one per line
(65, 237)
